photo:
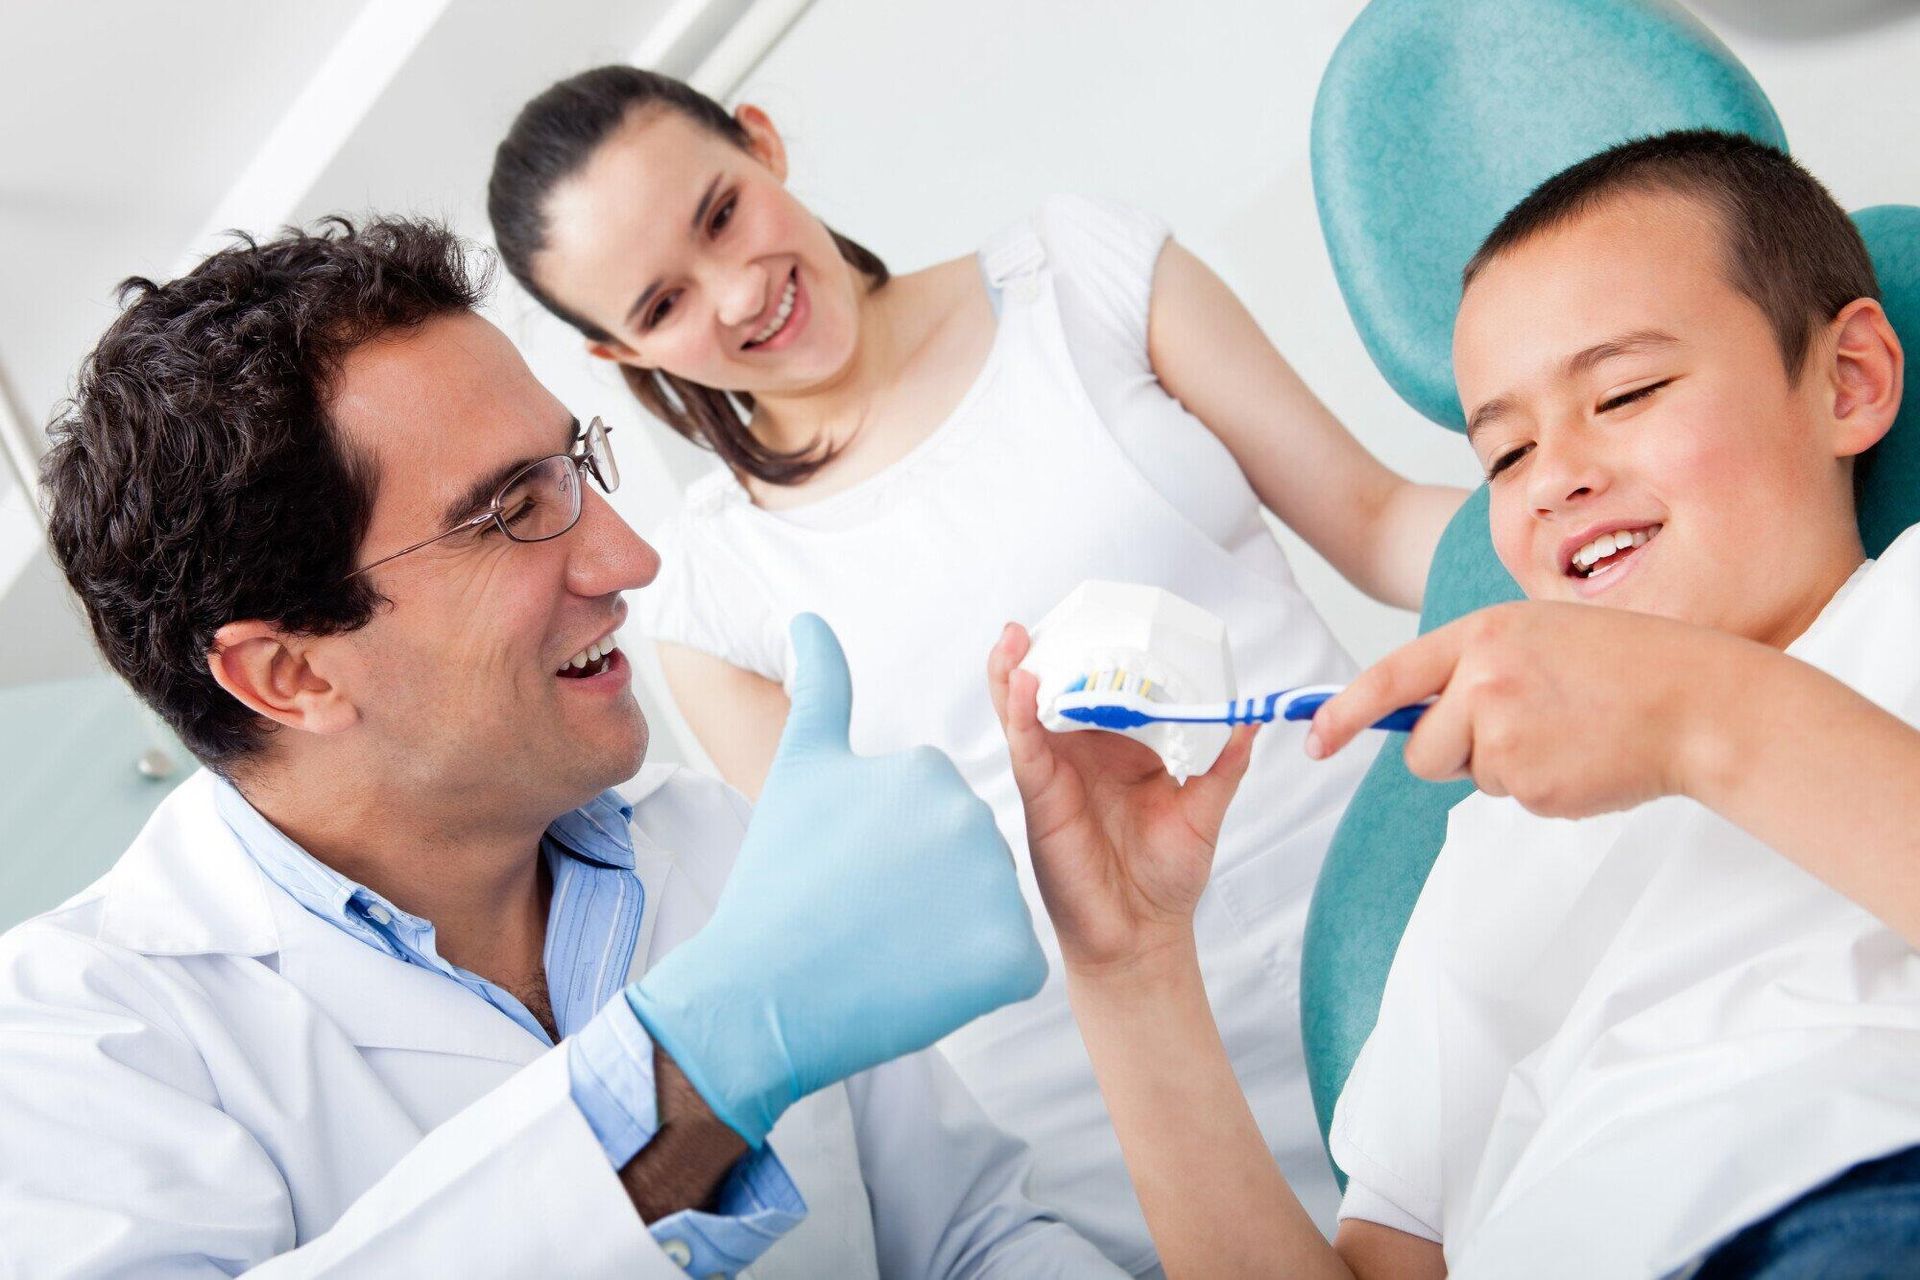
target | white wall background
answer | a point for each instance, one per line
(919, 128)
(916, 127)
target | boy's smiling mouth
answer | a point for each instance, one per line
(1600, 554)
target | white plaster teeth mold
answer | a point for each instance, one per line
(1146, 639)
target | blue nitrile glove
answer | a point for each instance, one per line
(873, 909)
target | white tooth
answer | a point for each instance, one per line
(1639, 537)
(593, 652)
(577, 660)
(780, 314)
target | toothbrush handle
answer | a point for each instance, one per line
(1398, 721)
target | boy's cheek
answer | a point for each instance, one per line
(1512, 534)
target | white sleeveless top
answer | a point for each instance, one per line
(1021, 494)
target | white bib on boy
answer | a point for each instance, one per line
(1606, 1045)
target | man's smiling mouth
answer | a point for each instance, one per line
(590, 661)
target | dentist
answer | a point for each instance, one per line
(399, 985)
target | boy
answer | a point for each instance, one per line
(1605, 1046)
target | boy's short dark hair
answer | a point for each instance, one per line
(1789, 247)
(195, 478)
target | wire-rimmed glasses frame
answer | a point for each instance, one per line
(524, 508)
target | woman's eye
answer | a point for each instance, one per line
(1506, 460)
(722, 216)
(660, 310)
(1629, 397)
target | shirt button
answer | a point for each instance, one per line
(379, 915)
(677, 1252)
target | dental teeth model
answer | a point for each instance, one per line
(1141, 641)
(1142, 662)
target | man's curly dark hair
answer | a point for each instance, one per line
(195, 478)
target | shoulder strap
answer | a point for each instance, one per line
(1014, 253)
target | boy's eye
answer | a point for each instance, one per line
(722, 216)
(1506, 460)
(1627, 398)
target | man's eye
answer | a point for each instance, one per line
(722, 216)
(1506, 460)
(516, 511)
(1629, 397)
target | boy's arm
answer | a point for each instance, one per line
(1378, 529)
(1575, 710)
(1812, 769)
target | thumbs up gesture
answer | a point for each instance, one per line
(873, 909)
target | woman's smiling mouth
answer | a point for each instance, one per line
(788, 317)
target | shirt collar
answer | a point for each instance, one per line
(597, 832)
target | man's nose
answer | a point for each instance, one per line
(740, 294)
(605, 555)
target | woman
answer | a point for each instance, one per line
(918, 457)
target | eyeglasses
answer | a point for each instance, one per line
(542, 499)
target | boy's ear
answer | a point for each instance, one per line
(1865, 376)
(763, 140)
(273, 674)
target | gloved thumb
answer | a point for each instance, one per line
(822, 689)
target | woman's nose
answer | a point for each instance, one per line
(741, 295)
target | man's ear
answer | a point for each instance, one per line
(763, 140)
(272, 672)
(1865, 375)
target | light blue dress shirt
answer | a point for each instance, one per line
(592, 928)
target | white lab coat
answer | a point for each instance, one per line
(197, 1076)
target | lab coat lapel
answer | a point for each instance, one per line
(186, 886)
(380, 1002)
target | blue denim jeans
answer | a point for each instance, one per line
(1863, 1225)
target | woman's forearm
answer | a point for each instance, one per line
(1405, 532)
(1214, 1199)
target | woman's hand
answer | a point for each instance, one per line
(1120, 850)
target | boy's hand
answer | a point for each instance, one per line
(1120, 850)
(1570, 709)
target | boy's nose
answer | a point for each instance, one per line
(1564, 472)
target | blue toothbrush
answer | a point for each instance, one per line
(1121, 708)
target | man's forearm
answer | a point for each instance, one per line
(687, 1159)
(1808, 766)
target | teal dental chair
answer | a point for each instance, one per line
(1435, 117)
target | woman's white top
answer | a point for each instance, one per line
(1606, 1045)
(1022, 493)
